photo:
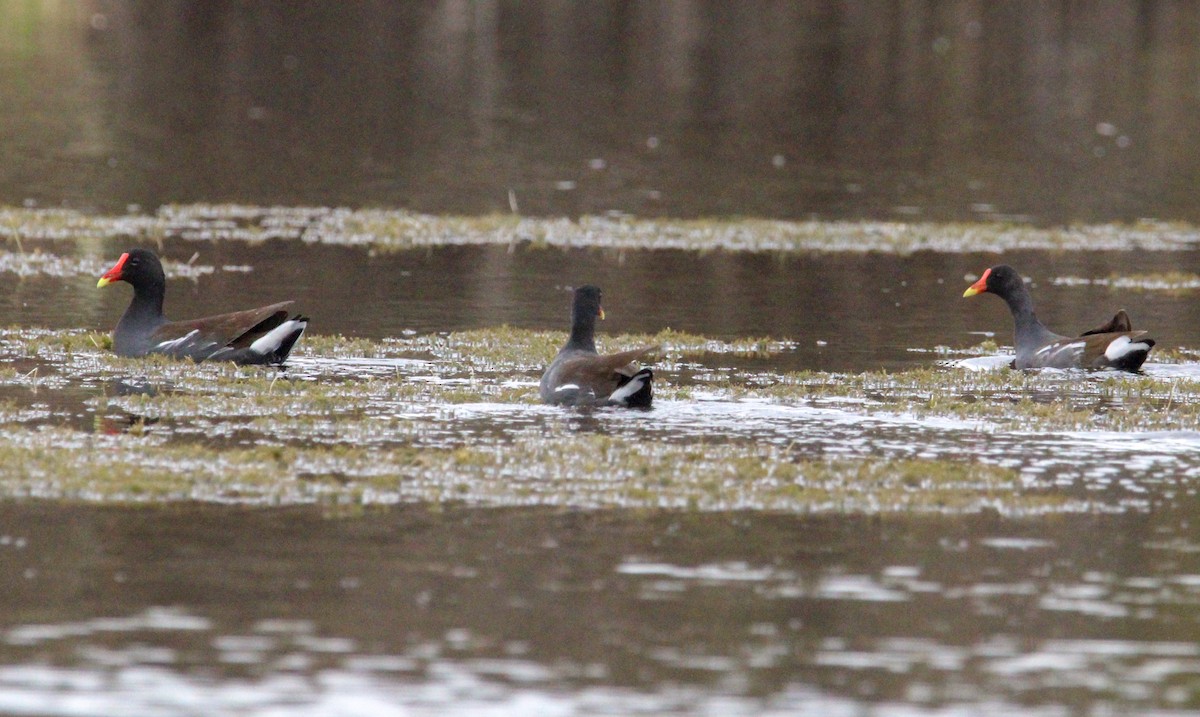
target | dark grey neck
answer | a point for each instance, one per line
(146, 307)
(1030, 332)
(583, 333)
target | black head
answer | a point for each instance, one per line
(587, 303)
(1001, 280)
(139, 267)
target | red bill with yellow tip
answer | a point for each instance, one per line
(113, 274)
(980, 286)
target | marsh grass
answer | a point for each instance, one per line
(1171, 283)
(398, 230)
(322, 432)
(576, 470)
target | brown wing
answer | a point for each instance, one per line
(598, 373)
(1120, 323)
(1096, 347)
(237, 329)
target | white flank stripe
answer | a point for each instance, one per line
(567, 387)
(176, 343)
(273, 338)
(1055, 348)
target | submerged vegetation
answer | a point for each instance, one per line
(578, 470)
(455, 417)
(1173, 283)
(37, 262)
(393, 230)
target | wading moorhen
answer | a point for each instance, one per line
(579, 376)
(256, 336)
(1114, 345)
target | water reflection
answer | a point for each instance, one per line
(450, 611)
(693, 107)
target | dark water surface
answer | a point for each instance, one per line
(1048, 112)
(442, 610)
(843, 311)
(1026, 112)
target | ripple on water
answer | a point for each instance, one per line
(312, 368)
(736, 613)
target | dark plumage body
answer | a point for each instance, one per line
(256, 336)
(1114, 345)
(579, 375)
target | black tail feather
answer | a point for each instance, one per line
(642, 397)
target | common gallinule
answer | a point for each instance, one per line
(579, 376)
(1114, 345)
(256, 336)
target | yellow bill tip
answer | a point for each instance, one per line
(980, 286)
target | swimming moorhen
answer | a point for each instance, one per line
(579, 376)
(1119, 322)
(256, 336)
(1114, 345)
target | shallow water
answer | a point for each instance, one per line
(844, 312)
(825, 312)
(440, 609)
(472, 606)
(553, 566)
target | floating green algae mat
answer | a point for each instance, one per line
(455, 417)
(503, 364)
(1172, 283)
(393, 230)
(579, 471)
